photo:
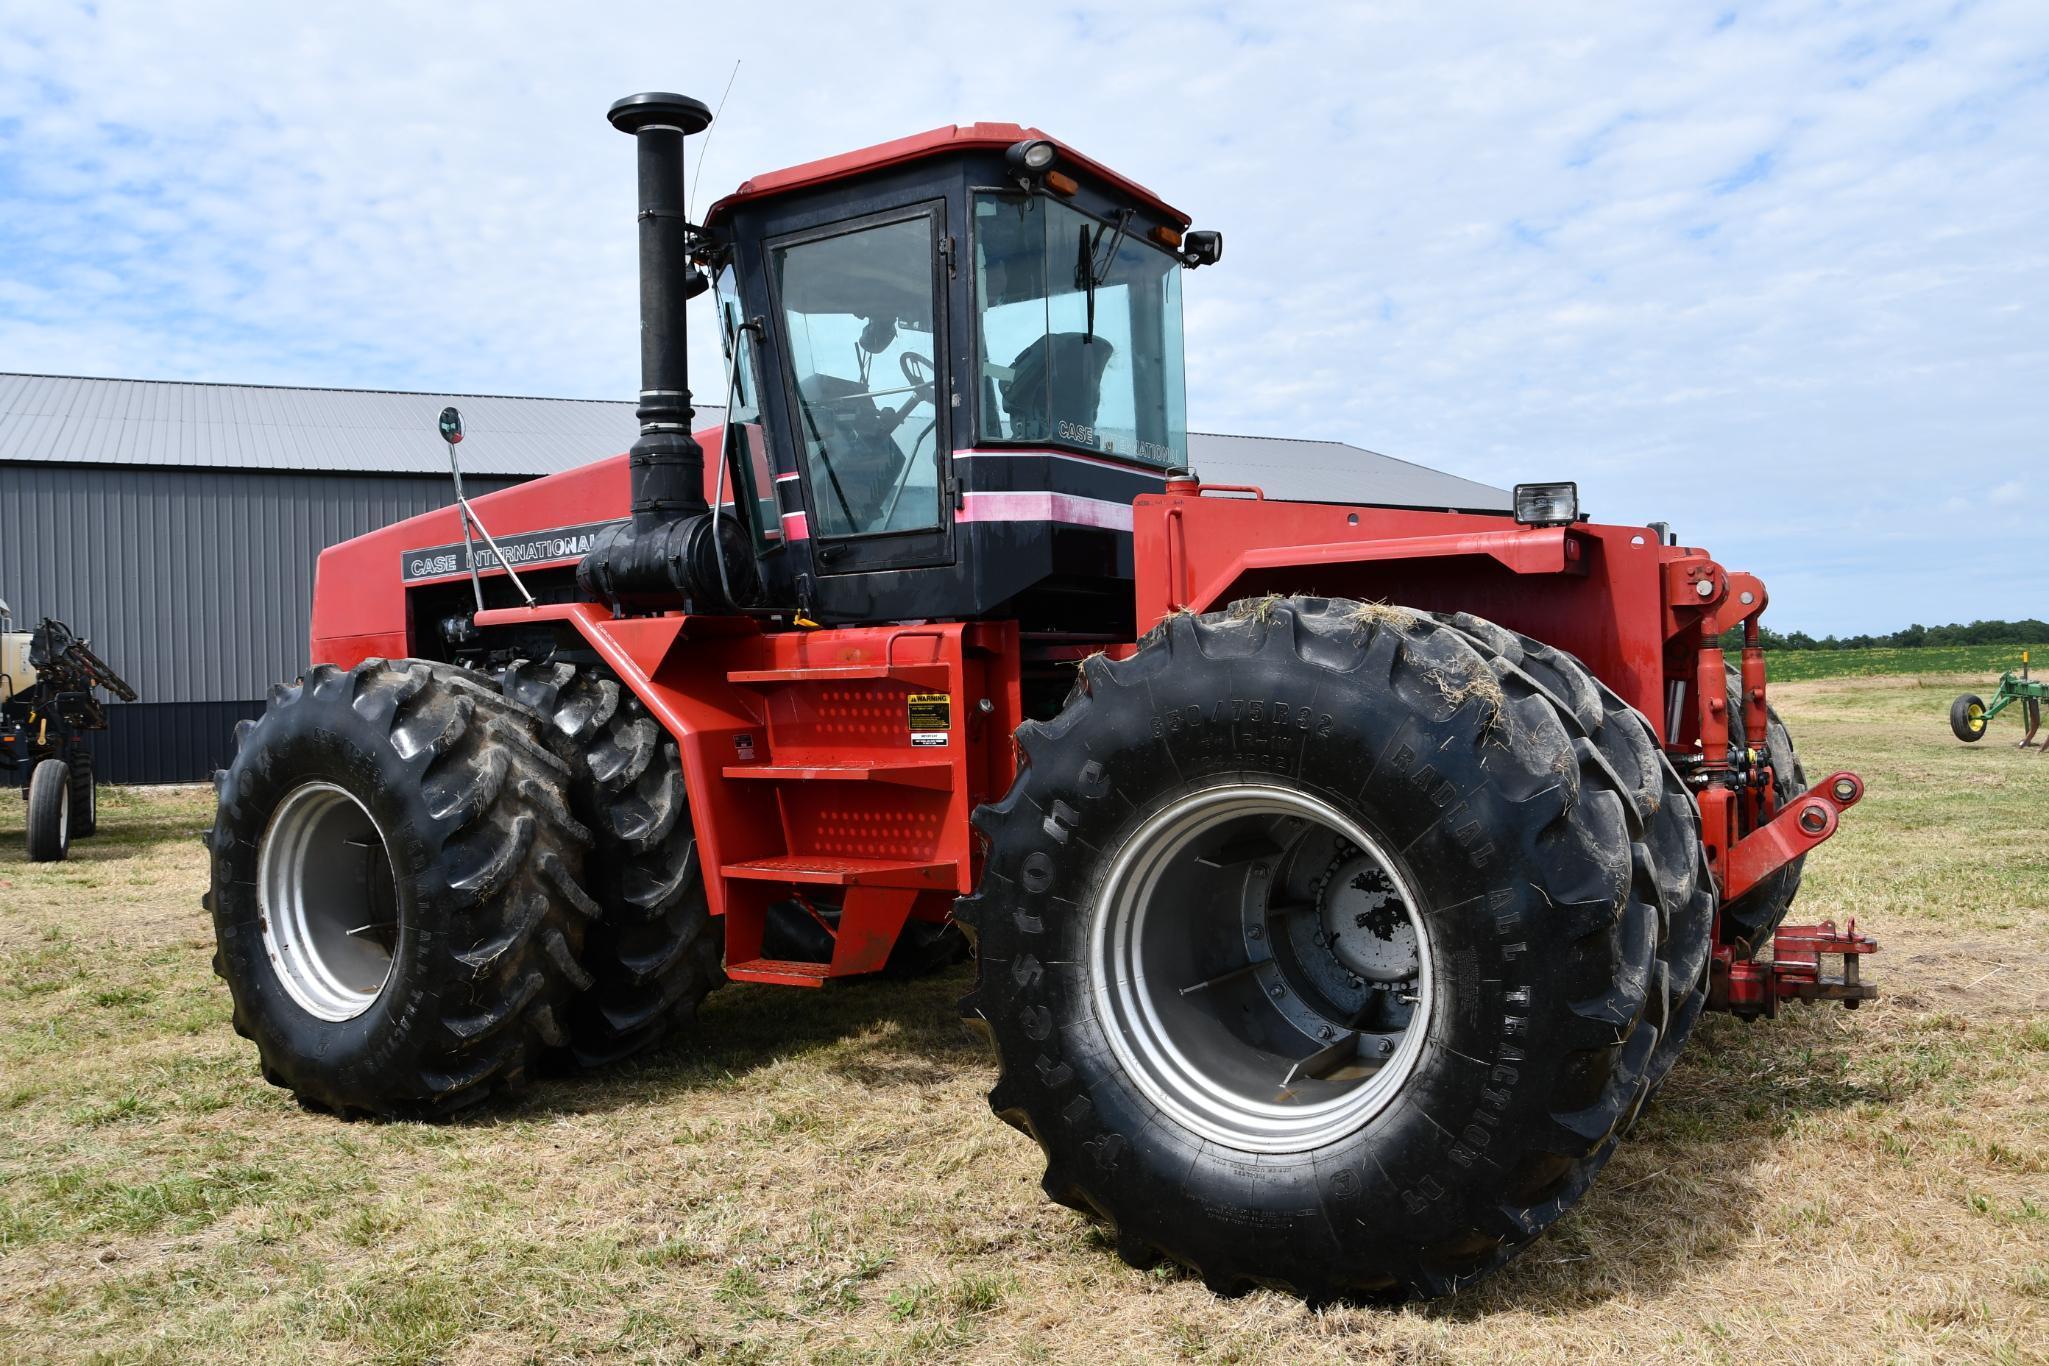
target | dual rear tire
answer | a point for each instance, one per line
(427, 884)
(1331, 947)
(397, 891)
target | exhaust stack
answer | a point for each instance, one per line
(672, 544)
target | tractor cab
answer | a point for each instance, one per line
(953, 360)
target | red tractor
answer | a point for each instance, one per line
(1343, 877)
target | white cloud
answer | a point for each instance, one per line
(1777, 282)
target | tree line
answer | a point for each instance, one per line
(2029, 632)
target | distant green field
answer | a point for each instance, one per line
(1990, 660)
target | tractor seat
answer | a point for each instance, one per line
(1055, 386)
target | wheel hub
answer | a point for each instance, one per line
(1366, 927)
(328, 901)
(1259, 964)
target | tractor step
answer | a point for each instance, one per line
(936, 675)
(935, 774)
(829, 870)
(780, 972)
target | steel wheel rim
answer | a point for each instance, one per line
(328, 901)
(1227, 1067)
(64, 817)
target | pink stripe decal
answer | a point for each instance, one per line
(1044, 507)
(1012, 507)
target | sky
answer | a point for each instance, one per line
(1773, 273)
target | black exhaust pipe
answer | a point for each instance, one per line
(671, 546)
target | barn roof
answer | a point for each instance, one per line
(68, 420)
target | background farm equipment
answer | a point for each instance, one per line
(47, 680)
(1971, 716)
(1343, 877)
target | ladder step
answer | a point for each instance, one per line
(833, 871)
(936, 774)
(780, 972)
(936, 675)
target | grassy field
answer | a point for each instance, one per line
(1978, 666)
(818, 1177)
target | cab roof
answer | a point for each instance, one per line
(953, 138)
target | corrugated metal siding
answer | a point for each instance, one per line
(195, 584)
(176, 742)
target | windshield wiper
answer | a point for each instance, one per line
(1092, 264)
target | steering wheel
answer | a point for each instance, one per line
(921, 375)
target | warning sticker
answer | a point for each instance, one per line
(931, 717)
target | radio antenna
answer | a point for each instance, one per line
(689, 204)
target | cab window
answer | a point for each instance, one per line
(861, 310)
(746, 449)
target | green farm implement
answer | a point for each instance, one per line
(1970, 716)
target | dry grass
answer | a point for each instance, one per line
(819, 1177)
(1473, 681)
(1365, 616)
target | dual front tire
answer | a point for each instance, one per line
(1328, 946)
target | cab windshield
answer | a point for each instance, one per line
(1050, 375)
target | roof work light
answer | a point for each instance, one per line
(1547, 504)
(1029, 157)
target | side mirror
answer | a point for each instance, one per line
(451, 426)
(1202, 248)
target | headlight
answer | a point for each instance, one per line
(1029, 157)
(1547, 504)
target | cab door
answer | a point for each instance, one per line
(863, 310)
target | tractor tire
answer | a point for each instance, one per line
(85, 795)
(397, 890)
(655, 952)
(1336, 817)
(1664, 820)
(1749, 920)
(49, 811)
(1967, 718)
